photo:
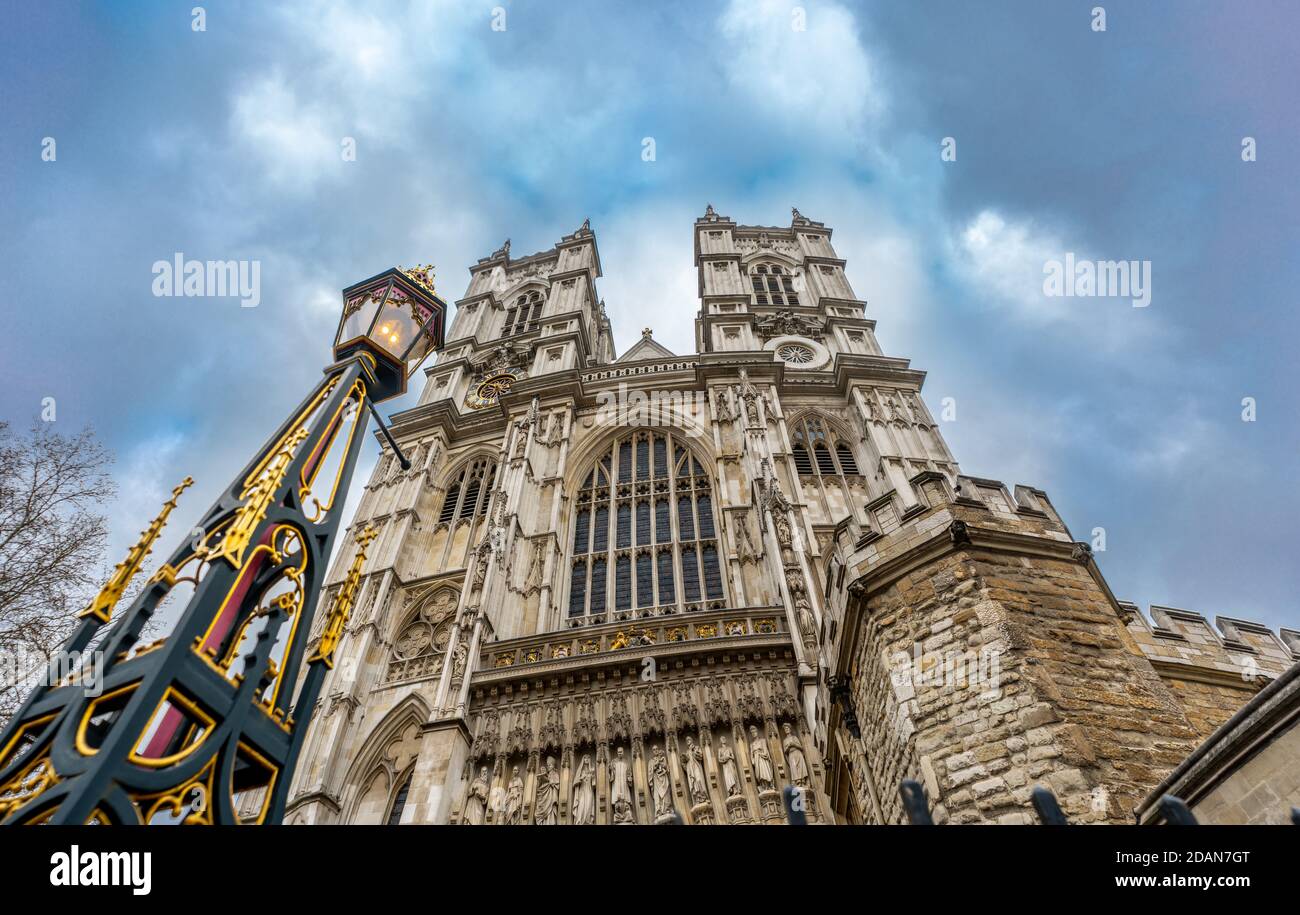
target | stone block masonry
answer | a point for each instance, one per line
(979, 650)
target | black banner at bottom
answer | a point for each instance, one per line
(336, 863)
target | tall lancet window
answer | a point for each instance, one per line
(644, 532)
(399, 802)
(773, 285)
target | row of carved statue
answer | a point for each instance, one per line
(502, 800)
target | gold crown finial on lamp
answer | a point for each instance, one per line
(421, 274)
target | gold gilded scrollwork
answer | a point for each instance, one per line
(343, 602)
(261, 485)
(258, 492)
(194, 795)
(30, 783)
(285, 540)
(356, 402)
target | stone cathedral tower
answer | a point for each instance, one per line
(610, 588)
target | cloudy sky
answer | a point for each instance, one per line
(1123, 144)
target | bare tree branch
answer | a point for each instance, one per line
(52, 541)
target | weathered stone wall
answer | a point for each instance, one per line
(985, 656)
(1208, 705)
(1057, 696)
(1213, 670)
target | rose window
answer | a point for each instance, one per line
(796, 353)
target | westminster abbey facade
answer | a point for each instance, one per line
(628, 589)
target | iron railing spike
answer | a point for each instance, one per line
(914, 802)
(1175, 812)
(1048, 810)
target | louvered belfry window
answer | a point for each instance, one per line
(524, 315)
(644, 532)
(773, 285)
(467, 493)
(817, 452)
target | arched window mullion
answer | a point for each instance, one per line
(398, 802)
(675, 532)
(654, 572)
(699, 543)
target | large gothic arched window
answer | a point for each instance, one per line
(644, 534)
(773, 285)
(467, 493)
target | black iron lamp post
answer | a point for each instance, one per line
(205, 725)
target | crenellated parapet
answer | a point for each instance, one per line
(1240, 649)
(1214, 669)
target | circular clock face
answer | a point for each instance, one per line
(489, 390)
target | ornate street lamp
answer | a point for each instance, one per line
(205, 725)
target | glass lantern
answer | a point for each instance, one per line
(396, 317)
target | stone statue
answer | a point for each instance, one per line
(660, 787)
(515, 799)
(548, 794)
(761, 761)
(482, 554)
(476, 803)
(784, 535)
(727, 761)
(620, 788)
(584, 794)
(807, 622)
(794, 756)
(693, 764)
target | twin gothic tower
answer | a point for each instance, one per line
(611, 589)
